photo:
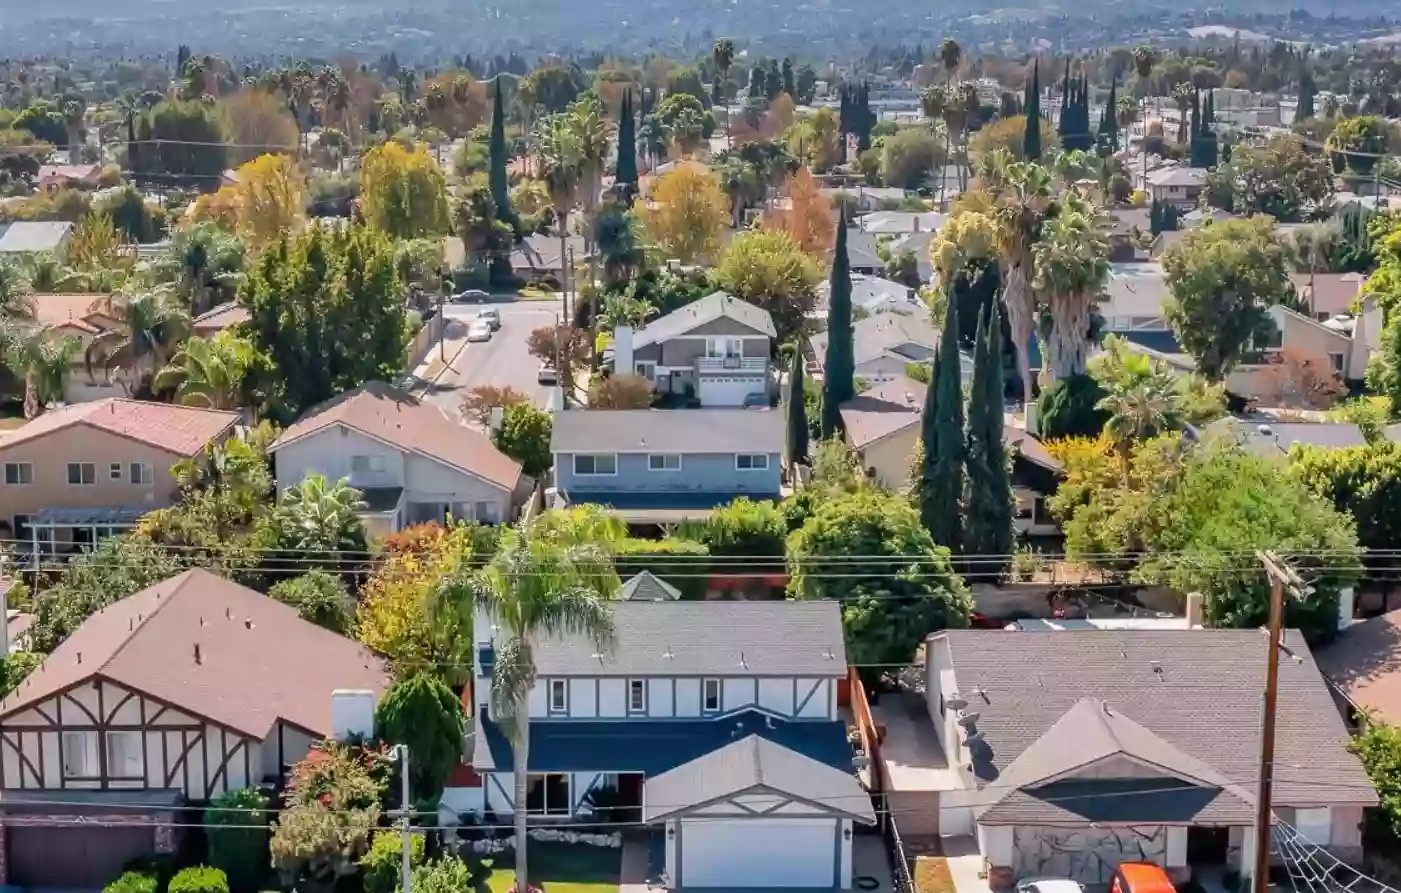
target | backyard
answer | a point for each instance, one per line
(559, 868)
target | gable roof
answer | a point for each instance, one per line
(686, 431)
(28, 236)
(882, 410)
(645, 587)
(880, 333)
(713, 306)
(1331, 293)
(82, 311)
(230, 313)
(1364, 662)
(1177, 176)
(258, 662)
(1277, 438)
(1199, 690)
(393, 416)
(181, 430)
(706, 638)
(756, 764)
(898, 222)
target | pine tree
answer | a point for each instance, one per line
(839, 368)
(1307, 95)
(1031, 138)
(797, 411)
(941, 489)
(627, 146)
(496, 150)
(988, 515)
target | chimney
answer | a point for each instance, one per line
(1031, 421)
(622, 350)
(352, 714)
(1194, 610)
(1347, 599)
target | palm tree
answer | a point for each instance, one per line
(75, 111)
(1142, 399)
(15, 299)
(1182, 96)
(950, 56)
(542, 583)
(1021, 200)
(1144, 58)
(208, 373)
(150, 330)
(723, 55)
(1071, 258)
(617, 233)
(34, 357)
(593, 134)
(206, 263)
(934, 102)
(561, 159)
(653, 135)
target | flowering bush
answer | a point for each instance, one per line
(333, 805)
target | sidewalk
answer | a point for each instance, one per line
(438, 361)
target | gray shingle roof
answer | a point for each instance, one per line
(25, 236)
(647, 588)
(668, 431)
(1199, 690)
(755, 763)
(707, 638)
(708, 309)
(1277, 438)
(880, 333)
(1134, 290)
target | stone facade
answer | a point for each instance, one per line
(1087, 855)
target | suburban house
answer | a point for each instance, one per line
(1179, 186)
(1363, 669)
(539, 257)
(23, 237)
(885, 345)
(82, 472)
(656, 466)
(1326, 295)
(872, 294)
(1126, 228)
(83, 317)
(190, 688)
(863, 252)
(895, 223)
(882, 424)
(1132, 306)
(715, 349)
(410, 461)
(1271, 438)
(217, 319)
(53, 177)
(1043, 733)
(714, 722)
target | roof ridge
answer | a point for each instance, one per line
(146, 617)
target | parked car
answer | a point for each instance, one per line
(1140, 877)
(470, 296)
(1049, 885)
(492, 317)
(547, 374)
(479, 331)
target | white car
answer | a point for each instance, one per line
(547, 374)
(1049, 885)
(479, 331)
(492, 317)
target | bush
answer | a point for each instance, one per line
(240, 851)
(745, 529)
(133, 882)
(447, 875)
(319, 598)
(199, 879)
(1070, 408)
(682, 563)
(15, 667)
(382, 864)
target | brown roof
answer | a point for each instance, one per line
(1030, 449)
(258, 662)
(1364, 662)
(1331, 293)
(83, 311)
(392, 415)
(221, 317)
(182, 430)
(882, 410)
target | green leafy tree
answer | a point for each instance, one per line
(1282, 179)
(44, 121)
(423, 713)
(333, 802)
(907, 587)
(945, 447)
(1361, 481)
(238, 838)
(1357, 143)
(15, 667)
(319, 598)
(314, 522)
(1378, 746)
(987, 527)
(910, 157)
(524, 435)
(839, 370)
(446, 875)
(753, 529)
(403, 192)
(1070, 408)
(183, 145)
(768, 268)
(1223, 279)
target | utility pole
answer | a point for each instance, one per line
(1282, 578)
(406, 817)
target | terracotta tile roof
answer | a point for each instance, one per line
(79, 310)
(182, 430)
(221, 317)
(1364, 662)
(258, 662)
(392, 415)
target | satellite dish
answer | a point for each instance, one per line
(973, 738)
(969, 719)
(956, 703)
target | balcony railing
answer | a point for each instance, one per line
(731, 364)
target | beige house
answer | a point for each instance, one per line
(83, 317)
(185, 690)
(81, 472)
(410, 461)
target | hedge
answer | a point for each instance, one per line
(133, 882)
(684, 564)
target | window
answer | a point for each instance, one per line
(597, 466)
(141, 473)
(1337, 360)
(646, 370)
(559, 695)
(664, 462)
(366, 464)
(1315, 825)
(710, 696)
(80, 755)
(637, 696)
(752, 462)
(18, 473)
(486, 513)
(114, 471)
(124, 755)
(718, 348)
(82, 473)
(547, 793)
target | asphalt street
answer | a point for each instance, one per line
(503, 361)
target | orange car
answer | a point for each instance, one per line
(1140, 877)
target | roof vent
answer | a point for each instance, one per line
(248, 623)
(80, 657)
(1157, 667)
(198, 658)
(228, 613)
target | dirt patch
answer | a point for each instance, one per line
(932, 875)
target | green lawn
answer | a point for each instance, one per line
(10, 423)
(561, 868)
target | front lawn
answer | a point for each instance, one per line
(559, 868)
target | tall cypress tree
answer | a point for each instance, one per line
(988, 516)
(500, 186)
(1066, 101)
(1109, 121)
(797, 410)
(839, 368)
(1031, 137)
(1307, 94)
(627, 147)
(941, 490)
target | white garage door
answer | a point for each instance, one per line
(724, 390)
(758, 852)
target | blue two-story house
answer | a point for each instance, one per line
(714, 722)
(656, 466)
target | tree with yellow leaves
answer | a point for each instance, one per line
(94, 244)
(403, 192)
(267, 201)
(688, 213)
(807, 217)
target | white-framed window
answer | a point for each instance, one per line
(1315, 825)
(19, 473)
(752, 462)
(596, 465)
(1336, 359)
(547, 793)
(141, 474)
(664, 462)
(80, 755)
(637, 696)
(366, 464)
(82, 474)
(486, 513)
(710, 695)
(114, 471)
(124, 758)
(724, 346)
(559, 695)
(647, 370)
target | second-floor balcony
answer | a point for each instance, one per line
(731, 364)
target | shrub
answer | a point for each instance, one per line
(422, 712)
(745, 528)
(240, 851)
(382, 864)
(15, 666)
(133, 882)
(682, 563)
(1070, 408)
(446, 875)
(319, 598)
(199, 879)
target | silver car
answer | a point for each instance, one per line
(479, 331)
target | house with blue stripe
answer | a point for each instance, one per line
(715, 724)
